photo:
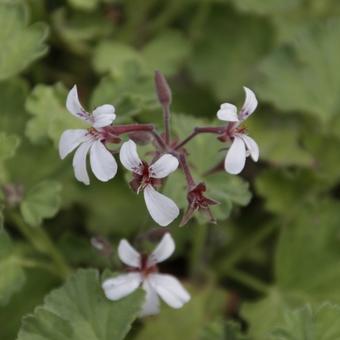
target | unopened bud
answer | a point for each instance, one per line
(162, 89)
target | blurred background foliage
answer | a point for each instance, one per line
(270, 268)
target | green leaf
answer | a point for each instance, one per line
(114, 57)
(40, 202)
(206, 304)
(12, 276)
(20, 44)
(279, 138)
(38, 284)
(85, 5)
(321, 323)
(132, 94)
(50, 118)
(315, 227)
(13, 116)
(8, 145)
(227, 64)
(266, 6)
(79, 310)
(306, 267)
(290, 74)
(300, 188)
(167, 52)
(80, 30)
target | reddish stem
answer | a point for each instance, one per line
(120, 129)
(185, 167)
(217, 130)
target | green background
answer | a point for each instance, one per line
(270, 268)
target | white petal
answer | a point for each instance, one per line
(169, 289)
(236, 157)
(128, 254)
(251, 146)
(164, 166)
(164, 250)
(151, 304)
(103, 115)
(129, 157)
(228, 113)
(162, 209)
(121, 285)
(79, 162)
(249, 105)
(103, 164)
(73, 104)
(69, 140)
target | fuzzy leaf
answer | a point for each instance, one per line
(50, 118)
(20, 44)
(321, 323)
(79, 310)
(166, 52)
(217, 63)
(8, 145)
(289, 74)
(40, 202)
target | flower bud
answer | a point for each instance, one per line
(162, 89)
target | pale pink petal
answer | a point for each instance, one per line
(236, 157)
(162, 209)
(121, 285)
(73, 104)
(103, 116)
(151, 304)
(164, 166)
(69, 140)
(128, 254)
(163, 251)
(103, 164)
(79, 162)
(169, 289)
(251, 146)
(249, 105)
(228, 113)
(129, 157)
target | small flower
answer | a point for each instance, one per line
(143, 272)
(242, 145)
(91, 140)
(161, 208)
(197, 201)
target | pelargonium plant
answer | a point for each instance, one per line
(102, 139)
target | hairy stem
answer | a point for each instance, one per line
(249, 281)
(166, 118)
(186, 170)
(42, 242)
(198, 249)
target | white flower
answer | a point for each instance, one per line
(144, 273)
(91, 140)
(242, 145)
(161, 208)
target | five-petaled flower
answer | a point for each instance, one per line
(242, 145)
(143, 272)
(146, 177)
(91, 140)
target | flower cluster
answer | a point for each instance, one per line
(100, 140)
